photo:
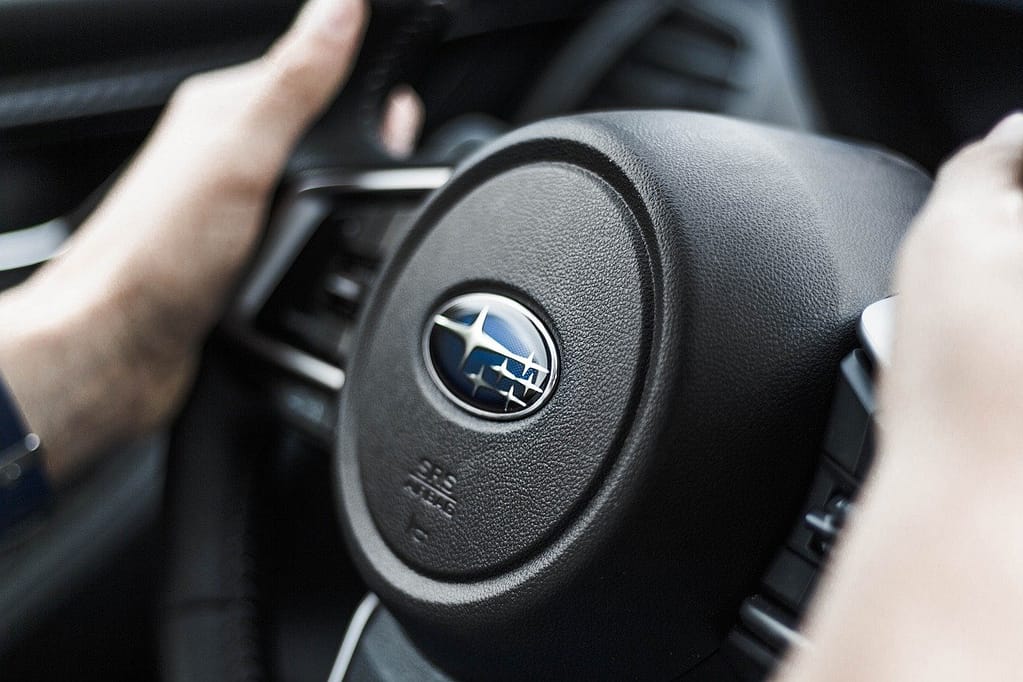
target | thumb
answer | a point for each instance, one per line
(242, 123)
(306, 67)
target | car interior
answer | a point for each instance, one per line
(669, 224)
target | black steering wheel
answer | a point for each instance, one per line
(586, 400)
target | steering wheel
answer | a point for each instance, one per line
(586, 400)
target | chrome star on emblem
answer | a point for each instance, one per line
(491, 356)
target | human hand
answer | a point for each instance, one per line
(927, 581)
(102, 343)
(956, 387)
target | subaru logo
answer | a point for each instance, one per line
(491, 356)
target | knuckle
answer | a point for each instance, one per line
(939, 232)
(190, 93)
(292, 72)
(1012, 124)
(213, 94)
(945, 242)
(1015, 119)
(207, 126)
(962, 161)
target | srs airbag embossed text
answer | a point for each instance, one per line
(434, 486)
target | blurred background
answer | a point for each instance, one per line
(81, 81)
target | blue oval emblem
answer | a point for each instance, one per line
(491, 356)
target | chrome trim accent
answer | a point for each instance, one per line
(384, 180)
(352, 637)
(286, 356)
(877, 330)
(33, 245)
(772, 627)
(298, 222)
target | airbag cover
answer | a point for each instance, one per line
(560, 241)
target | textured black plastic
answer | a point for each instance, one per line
(743, 257)
(574, 262)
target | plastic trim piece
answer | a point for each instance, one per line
(104, 89)
(294, 361)
(769, 619)
(877, 330)
(301, 210)
(305, 204)
(769, 628)
(33, 245)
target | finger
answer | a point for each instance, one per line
(240, 124)
(402, 121)
(1009, 131)
(306, 67)
(988, 167)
